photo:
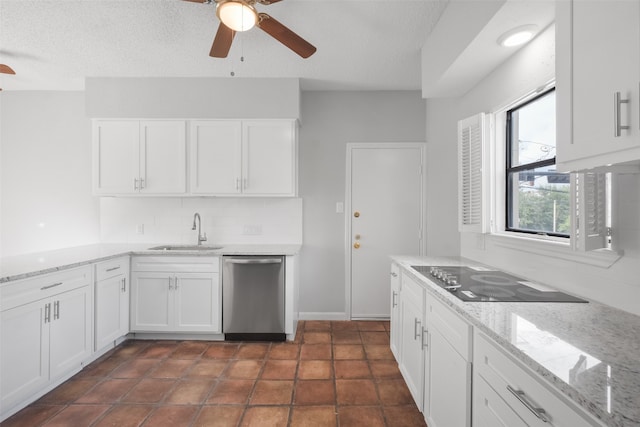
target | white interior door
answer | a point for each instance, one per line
(385, 210)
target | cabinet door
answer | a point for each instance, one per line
(412, 354)
(216, 157)
(197, 302)
(604, 42)
(163, 157)
(71, 330)
(115, 156)
(449, 384)
(151, 301)
(489, 410)
(112, 310)
(269, 152)
(395, 311)
(24, 347)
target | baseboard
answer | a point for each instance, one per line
(322, 316)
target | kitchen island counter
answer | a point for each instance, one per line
(588, 352)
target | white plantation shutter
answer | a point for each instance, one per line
(590, 210)
(471, 182)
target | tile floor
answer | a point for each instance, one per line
(333, 374)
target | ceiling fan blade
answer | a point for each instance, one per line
(197, 1)
(285, 36)
(5, 69)
(266, 2)
(222, 42)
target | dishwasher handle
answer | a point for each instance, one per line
(253, 261)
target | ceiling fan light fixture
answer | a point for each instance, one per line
(237, 15)
(517, 36)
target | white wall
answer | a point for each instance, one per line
(46, 173)
(329, 121)
(616, 285)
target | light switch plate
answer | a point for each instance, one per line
(252, 230)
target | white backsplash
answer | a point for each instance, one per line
(225, 220)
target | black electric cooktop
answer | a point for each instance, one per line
(481, 284)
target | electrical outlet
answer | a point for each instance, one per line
(140, 229)
(252, 230)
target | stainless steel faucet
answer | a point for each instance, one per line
(201, 238)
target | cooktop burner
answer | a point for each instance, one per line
(481, 284)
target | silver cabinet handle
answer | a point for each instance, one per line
(175, 283)
(416, 333)
(113, 268)
(425, 338)
(135, 183)
(237, 184)
(142, 186)
(617, 119)
(170, 285)
(522, 397)
(50, 286)
(394, 302)
(47, 313)
(124, 284)
(394, 274)
(254, 261)
(56, 310)
(244, 184)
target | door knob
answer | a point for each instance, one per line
(356, 214)
(356, 245)
(357, 237)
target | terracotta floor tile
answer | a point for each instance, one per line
(369, 325)
(314, 392)
(403, 416)
(394, 392)
(172, 368)
(252, 351)
(344, 325)
(316, 416)
(346, 337)
(348, 351)
(245, 369)
(378, 352)
(149, 390)
(385, 369)
(69, 391)
(315, 351)
(77, 415)
(129, 349)
(159, 350)
(100, 368)
(352, 369)
(272, 392)
(219, 416)
(356, 392)
(231, 392)
(317, 325)
(108, 391)
(279, 370)
(190, 350)
(33, 415)
(375, 338)
(171, 416)
(316, 338)
(221, 351)
(315, 370)
(356, 416)
(125, 416)
(209, 368)
(265, 417)
(135, 368)
(191, 392)
(284, 351)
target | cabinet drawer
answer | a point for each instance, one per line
(411, 290)
(14, 294)
(502, 374)
(489, 410)
(176, 264)
(451, 326)
(112, 268)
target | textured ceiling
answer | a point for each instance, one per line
(362, 44)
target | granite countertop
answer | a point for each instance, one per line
(555, 338)
(33, 264)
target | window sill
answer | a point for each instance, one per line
(603, 258)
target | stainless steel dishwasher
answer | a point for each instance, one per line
(253, 298)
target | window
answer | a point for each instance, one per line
(538, 198)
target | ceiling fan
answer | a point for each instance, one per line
(5, 69)
(241, 15)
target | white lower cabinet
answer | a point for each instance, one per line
(111, 301)
(172, 299)
(45, 334)
(395, 334)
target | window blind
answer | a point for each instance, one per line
(471, 182)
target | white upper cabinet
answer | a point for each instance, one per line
(598, 77)
(139, 157)
(233, 157)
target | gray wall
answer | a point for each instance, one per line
(329, 121)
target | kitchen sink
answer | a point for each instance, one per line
(185, 248)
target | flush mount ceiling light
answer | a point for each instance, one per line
(517, 36)
(237, 15)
